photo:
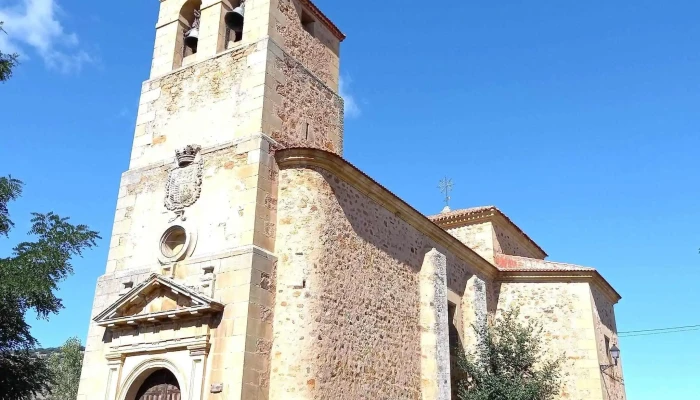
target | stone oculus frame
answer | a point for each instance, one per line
(177, 242)
(189, 307)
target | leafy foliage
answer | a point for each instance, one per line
(23, 375)
(65, 366)
(7, 62)
(29, 278)
(508, 363)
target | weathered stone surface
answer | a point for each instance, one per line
(354, 328)
(564, 309)
(328, 292)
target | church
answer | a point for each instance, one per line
(250, 261)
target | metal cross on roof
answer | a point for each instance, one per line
(445, 187)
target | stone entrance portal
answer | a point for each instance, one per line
(160, 385)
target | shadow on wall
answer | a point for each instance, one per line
(392, 235)
(111, 335)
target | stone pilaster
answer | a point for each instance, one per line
(198, 354)
(435, 351)
(114, 369)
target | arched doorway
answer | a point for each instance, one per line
(160, 385)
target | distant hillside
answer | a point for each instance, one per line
(46, 352)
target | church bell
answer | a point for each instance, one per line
(234, 19)
(191, 38)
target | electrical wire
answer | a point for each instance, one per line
(659, 331)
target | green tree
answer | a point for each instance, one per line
(65, 366)
(508, 363)
(29, 278)
(7, 62)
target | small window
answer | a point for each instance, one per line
(455, 348)
(308, 22)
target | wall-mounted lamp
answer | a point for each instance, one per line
(615, 355)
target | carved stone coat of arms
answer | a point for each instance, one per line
(184, 183)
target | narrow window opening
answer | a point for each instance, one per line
(232, 37)
(308, 22)
(188, 32)
(306, 130)
(455, 348)
(233, 23)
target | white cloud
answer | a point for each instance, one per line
(352, 110)
(34, 24)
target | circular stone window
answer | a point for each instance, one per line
(173, 243)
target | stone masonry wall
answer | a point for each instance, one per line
(489, 239)
(94, 373)
(300, 110)
(230, 185)
(208, 103)
(347, 303)
(564, 309)
(241, 333)
(478, 237)
(507, 242)
(604, 320)
(318, 54)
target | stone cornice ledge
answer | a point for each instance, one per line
(591, 276)
(308, 157)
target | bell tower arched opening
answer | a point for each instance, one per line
(187, 32)
(159, 385)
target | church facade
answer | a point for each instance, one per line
(250, 261)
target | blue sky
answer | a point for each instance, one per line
(578, 119)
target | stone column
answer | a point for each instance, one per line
(435, 349)
(198, 355)
(114, 365)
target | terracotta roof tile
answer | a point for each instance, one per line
(515, 263)
(331, 26)
(445, 218)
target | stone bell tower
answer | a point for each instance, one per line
(184, 308)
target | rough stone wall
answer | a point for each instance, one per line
(300, 110)
(564, 309)
(604, 320)
(507, 242)
(478, 237)
(489, 239)
(318, 54)
(347, 305)
(208, 103)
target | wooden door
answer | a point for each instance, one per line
(160, 385)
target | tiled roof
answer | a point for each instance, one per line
(515, 263)
(331, 26)
(460, 213)
(467, 215)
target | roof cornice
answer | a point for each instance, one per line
(589, 276)
(326, 21)
(308, 157)
(459, 218)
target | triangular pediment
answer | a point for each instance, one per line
(157, 299)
